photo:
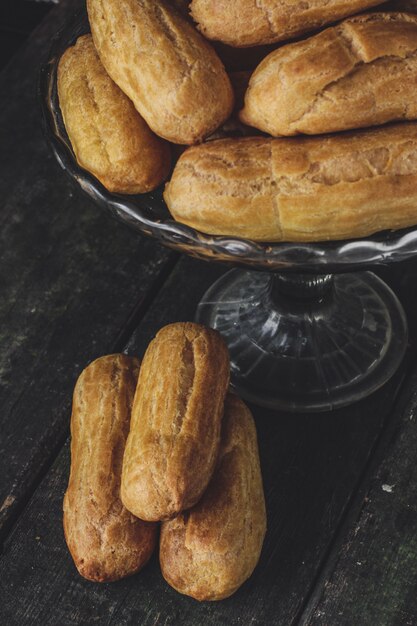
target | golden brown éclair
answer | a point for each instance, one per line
(299, 188)
(359, 73)
(109, 137)
(105, 540)
(170, 72)
(209, 551)
(176, 417)
(242, 23)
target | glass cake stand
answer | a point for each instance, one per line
(307, 326)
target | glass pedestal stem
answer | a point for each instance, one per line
(300, 287)
(306, 343)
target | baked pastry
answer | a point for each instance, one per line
(175, 429)
(172, 75)
(359, 73)
(105, 540)
(244, 23)
(109, 137)
(299, 189)
(209, 551)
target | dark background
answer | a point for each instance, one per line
(17, 20)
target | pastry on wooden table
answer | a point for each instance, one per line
(105, 540)
(174, 435)
(209, 551)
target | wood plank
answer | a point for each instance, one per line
(21, 16)
(9, 44)
(70, 280)
(311, 466)
(17, 20)
(374, 577)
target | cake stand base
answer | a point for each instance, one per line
(306, 343)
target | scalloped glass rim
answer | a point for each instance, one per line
(148, 214)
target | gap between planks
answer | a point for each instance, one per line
(355, 503)
(138, 312)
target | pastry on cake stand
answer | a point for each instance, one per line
(309, 327)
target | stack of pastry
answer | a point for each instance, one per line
(152, 74)
(165, 442)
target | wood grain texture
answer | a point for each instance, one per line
(21, 16)
(17, 19)
(374, 576)
(70, 279)
(311, 468)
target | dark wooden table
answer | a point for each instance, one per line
(341, 487)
